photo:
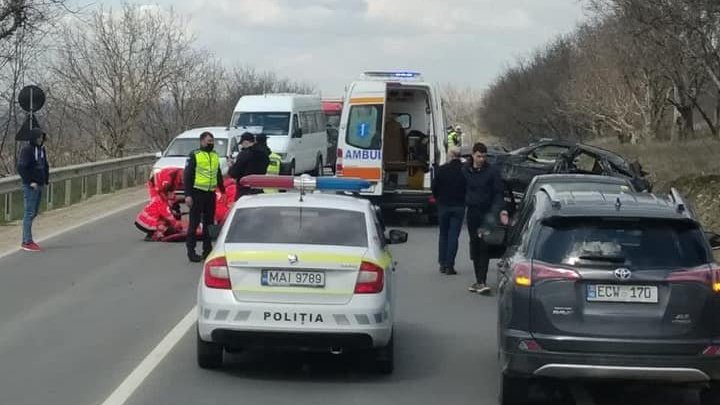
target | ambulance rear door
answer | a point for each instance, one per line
(361, 134)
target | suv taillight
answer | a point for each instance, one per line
(371, 279)
(708, 275)
(526, 274)
(217, 274)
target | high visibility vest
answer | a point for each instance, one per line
(453, 139)
(273, 169)
(206, 168)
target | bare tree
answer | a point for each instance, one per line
(114, 67)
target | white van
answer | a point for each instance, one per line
(294, 125)
(177, 152)
(392, 133)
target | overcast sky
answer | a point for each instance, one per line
(330, 42)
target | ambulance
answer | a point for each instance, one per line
(392, 133)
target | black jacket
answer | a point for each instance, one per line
(33, 166)
(449, 185)
(485, 189)
(252, 160)
(189, 176)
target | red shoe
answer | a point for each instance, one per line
(30, 247)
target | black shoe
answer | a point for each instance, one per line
(206, 254)
(443, 269)
(193, 257)
(450, 271)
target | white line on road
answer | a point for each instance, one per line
(76, 226)
(133, 381)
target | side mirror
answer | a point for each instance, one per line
(235, 155)
(298, 133)
(714, 240)
(396, 237)
(158, 155)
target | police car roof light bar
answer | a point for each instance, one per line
(305, 183)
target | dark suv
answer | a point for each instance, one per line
(605, 285)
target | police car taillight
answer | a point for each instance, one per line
(217, 274)
(371, 279)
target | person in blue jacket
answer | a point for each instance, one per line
(34, 170)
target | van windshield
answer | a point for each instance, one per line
(272, 123)
(364, 128)
(182, 147)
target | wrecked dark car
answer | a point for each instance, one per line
(520, 166)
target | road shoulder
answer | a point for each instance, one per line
(55, 222)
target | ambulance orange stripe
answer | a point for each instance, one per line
(368, 173)
(367, 100)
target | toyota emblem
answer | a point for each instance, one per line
(292, 258)
(623, 273)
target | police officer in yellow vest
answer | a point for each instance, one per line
(454, 138)
(273, 167)
(201, 177)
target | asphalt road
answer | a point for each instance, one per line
(76, 320)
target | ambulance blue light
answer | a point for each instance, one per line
(341, 184)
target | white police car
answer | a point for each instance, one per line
(307, 271)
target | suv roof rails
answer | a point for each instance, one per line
(552, 195)
(555, 198)
(680, 204)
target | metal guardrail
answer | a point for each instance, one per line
(71, 184)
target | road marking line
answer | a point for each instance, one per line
(133, 381)
(76, 226)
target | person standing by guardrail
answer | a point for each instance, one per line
(201, 177)
(34, 170)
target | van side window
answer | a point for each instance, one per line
(364, 128)
(295, 124)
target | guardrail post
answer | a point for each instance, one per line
(8, 207)
(99, 184)
(84, 188)
(49, 195)
(125, 179)
(68, 192)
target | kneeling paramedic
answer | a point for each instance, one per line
(202, 177)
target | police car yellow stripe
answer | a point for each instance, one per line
(304, 257)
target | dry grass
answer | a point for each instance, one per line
(693, 167)
(668, 162)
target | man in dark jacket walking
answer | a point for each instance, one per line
(34, 170)
(253, 159)
(484, 200)
(449, 188)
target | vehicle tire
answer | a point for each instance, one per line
(710, 395)
(513, 390)
(318, 171)
(385, 358)
(209, 354)
(433, 217)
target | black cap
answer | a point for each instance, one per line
(247, 136)
(261, 138)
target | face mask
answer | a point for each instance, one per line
(209, 147)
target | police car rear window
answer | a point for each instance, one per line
(298, 225)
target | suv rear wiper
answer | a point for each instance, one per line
(600, 258)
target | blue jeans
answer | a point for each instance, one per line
(451, 221)
(31, 197)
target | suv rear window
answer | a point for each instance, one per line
(296, 225)
(638, 244)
